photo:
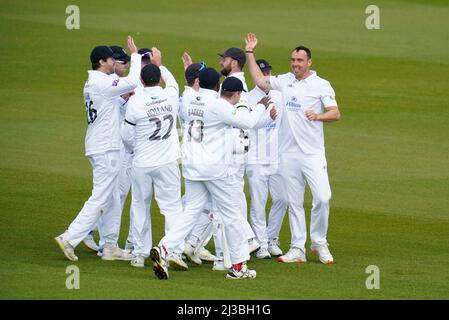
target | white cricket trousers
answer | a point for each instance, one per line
(297, 169)
(262, 179)
(226, 194)
(167, 190)
(244, 206)
(104, 201)
(124, 181)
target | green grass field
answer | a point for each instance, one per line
(388, 156)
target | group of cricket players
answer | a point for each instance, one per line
(141, 127)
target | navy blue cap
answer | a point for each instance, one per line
(120, 54)
(100, 53)
(232, 84)
(150, 74)
(236, 54)
(208, 77)
(264, 65)
(192, 72)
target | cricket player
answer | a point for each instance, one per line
(209, 171)
(103, 151)
(263, 174)
(209, 224)
(232, 62)
(149, 130)
(309, 102)
(121, 66)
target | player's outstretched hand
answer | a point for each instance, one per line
(265, 101)
(156, 56)
(186, 60)
(273, 113)
(250, 41)
(131, 45)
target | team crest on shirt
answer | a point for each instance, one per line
(115, 83)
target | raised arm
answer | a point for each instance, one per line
(263, 82)
(126, 84)
(186, 60)
(171, 86)
(241, 117)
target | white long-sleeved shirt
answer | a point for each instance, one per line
(149, 129)
(101, 92)
(207, 134)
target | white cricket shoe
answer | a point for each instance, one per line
(324, 254)
(253, 245)
(66, 248)
(138, 261)
(113, 252)
(293, 255)
(273, 247)
(160, 265)
(205, 255)
(244, 273)
(219, 265)
(129, 247)
(89, 242)
(263, 253)
(175, 261)
(189, 252)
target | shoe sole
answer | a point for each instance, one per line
(262, 258)
(242, 278)
(61, 246)
(137, 265)
(158, 268)
(294, 261)
(191, 260)
(112, 258)
(315, 253)
(177, 266)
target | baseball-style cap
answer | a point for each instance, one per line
(100, 53)
(150, 74)
(232, 84)
(143, 51)
(192, 72)
(120, 54)
(236, 54)
(208, 78)
(264, 65)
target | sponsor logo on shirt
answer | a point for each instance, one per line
(115, 83)
(293, 104)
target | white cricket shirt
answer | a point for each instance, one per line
(264, 144)
(207, 134)
(101, 92)
(150, 124)
(312, 93)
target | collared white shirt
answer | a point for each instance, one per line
(207, 134)
(150, 124)
(312, 93)
(264, 143)
(101, 92)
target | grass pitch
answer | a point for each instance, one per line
(388, 156)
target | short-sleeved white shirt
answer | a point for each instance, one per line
(312, 93)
